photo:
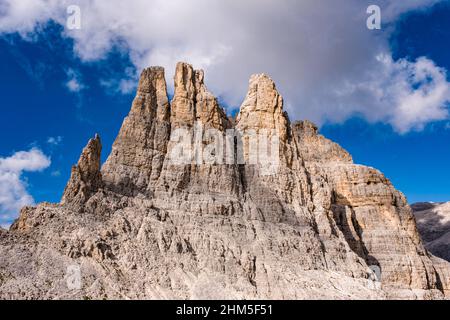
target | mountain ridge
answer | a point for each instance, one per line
(309, 225)
(433, 222)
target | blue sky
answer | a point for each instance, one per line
(56, 94)
(417, 163)
(37, 106)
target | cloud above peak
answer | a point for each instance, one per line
(13, 187)
(325, 61)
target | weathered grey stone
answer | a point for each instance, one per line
(85, 178)
(139, 150)
(321, 227)
(433, 222)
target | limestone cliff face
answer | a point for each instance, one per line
(141, 145)
(144, 226)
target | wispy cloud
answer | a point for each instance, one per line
(405, 94)
(124, 84)
(55, 173)
(55, 141)
(13, 186)
(35, 70)
(74, 82)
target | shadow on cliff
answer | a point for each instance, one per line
(345, 219)
(433, 229)
(431, 225)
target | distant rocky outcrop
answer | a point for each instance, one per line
(433, 222)
(144, 226)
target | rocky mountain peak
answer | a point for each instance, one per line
(85, 178)
(433, 222)
(263, 108)
(306, 128)
(313, 225)
(149, 78)
(151, 99)
(307, 134)
(193, 102)
(143, 137)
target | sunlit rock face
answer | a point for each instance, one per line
(316, 226)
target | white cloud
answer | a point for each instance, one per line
(419, 91)
(56, 173)
(74, 83)
(13, 186)
(325, 61)
(405, 94)
(55, 141)
(124, 86)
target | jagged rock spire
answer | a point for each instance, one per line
(263, 107)
(151, 97)
(85, 178)
(262, 113)
(138, 153)
(193, 102)
(316, 228)
(183, 102)
(139, 150)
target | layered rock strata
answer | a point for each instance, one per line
(143, 226)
